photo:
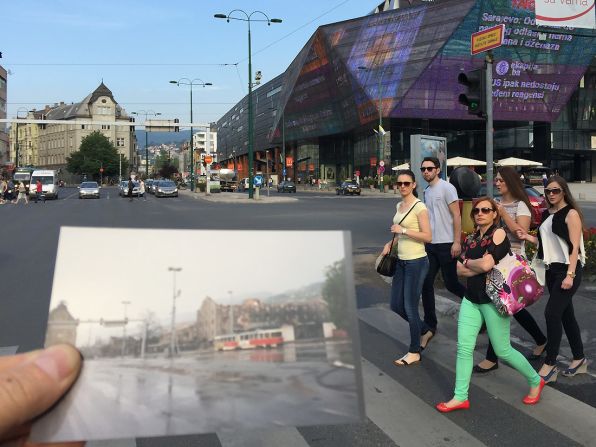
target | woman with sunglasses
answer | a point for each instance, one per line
(561, 247)
(482, 250)
(412, 225)
(514, 211)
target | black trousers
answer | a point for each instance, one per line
(525, 320)
(439, 257)
(559, 313)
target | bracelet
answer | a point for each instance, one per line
(404, 230)
(570, 273)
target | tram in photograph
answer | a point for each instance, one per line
(259, 338)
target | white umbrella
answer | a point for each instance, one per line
(401, 167)
(513, 161)
(463, 161)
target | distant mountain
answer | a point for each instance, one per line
(308, 292)
(157, 138)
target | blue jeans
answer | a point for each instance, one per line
(439, 257)
(405, 296)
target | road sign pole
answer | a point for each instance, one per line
(489, 122)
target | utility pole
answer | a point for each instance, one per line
(173, 341)
(489, 122)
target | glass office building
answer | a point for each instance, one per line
(399, 68)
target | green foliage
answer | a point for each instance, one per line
(370, 181)
(386, 179)
(335, 292)
(168, 170)
(96, 151)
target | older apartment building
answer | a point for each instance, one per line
(58, 141)
(4, 155)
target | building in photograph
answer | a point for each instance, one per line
(26, 136)
(205, 140)
(58, 141)
(4, 152)
(320, 118)
(62, 326)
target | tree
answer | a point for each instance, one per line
(335, 294)
(96, 152)
(168, 170)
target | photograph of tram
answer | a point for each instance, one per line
(192, 349)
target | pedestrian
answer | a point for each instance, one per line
(131, 186)
(561, 247)
(22, 190)
(441, 200)
(3, 189)
(39, 191)
(482, 250)
(411, 228)
(10, 191)
(514, 211)
(544, 179)
(142, 190)
(522, 177)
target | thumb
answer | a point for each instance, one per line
(31, 387)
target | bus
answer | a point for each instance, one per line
(256, 339)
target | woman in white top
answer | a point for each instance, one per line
(561, 247)
(514, 211)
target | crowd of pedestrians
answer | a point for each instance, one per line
(427, 238)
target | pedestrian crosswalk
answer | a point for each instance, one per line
(400, 404)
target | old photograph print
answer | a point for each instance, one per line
(191, 331)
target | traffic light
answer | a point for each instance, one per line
(475, 96)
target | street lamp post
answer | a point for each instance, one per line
(379, 134)
(249, 19)
(146, 113)
(175, 294)
(125, 303)
(186, 81)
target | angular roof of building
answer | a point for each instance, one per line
(82, 109)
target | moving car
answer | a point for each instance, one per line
(537, 200)
(348, 187)
(88, 189)
(286, 186)
(123, 189)
(166, 188)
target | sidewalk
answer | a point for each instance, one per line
(237, 197)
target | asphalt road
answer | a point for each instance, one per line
(397, 399)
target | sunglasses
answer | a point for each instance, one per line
(499, 180)
(553, 191)
(483, 210)
(400, 184)
(427, 168)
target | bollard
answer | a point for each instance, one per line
(257, 194)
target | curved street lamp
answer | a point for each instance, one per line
(186, 81)
(249, 19)
(146, 113)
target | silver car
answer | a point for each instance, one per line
(88, 189)
(166, 188)
(123, 189)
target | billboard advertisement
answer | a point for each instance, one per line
(567, 13)
(422, 146)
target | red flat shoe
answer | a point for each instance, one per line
(445, 409)
(534, 400)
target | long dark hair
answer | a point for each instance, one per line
(566, 194)
(514, 185)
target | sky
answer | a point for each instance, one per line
(61, 50)
(132, 265)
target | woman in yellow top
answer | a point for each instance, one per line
(412, 227)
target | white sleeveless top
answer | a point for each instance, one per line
(554, 248)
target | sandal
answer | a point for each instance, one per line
(432, 335)
(403, 362)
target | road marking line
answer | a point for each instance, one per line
(268, 437)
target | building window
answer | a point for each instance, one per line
(119, 142)
(2, 105)
(82, 126)
(105, 127)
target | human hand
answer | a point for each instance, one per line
(30, 384)
(396, 228)
(567, 283)
(500, 209)
(521, 234)
(386, 249)
(455, 249)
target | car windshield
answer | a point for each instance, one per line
(22, 176)
(89, 185)
(45, 179)
(289, 183)
(167, 183)
(351, 184)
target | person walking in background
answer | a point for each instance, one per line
(3, 188)
(131, 186)
(39, 191)
(544, 179)
(412, 229)
(440, 198)
(142, 190)
(561, 246)
(515, 214)
(22, 193)
(482, 250)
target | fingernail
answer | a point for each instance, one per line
(56, 362)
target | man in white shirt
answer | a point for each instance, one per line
(441, 200)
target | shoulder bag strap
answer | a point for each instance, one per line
(411, 208)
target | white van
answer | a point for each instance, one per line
(49, 182)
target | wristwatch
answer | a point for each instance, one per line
(404, 230)
(570, 273)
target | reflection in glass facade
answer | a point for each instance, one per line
(405, 62)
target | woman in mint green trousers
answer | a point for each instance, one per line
(483, 250)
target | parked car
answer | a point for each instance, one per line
(153, 185)
(123, 192)
(286, 186)
(88, 189)
(166, 188)
(348, 187)
(537, 200)
(243, 185)
(533, 175)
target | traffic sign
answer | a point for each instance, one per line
(381, 169)
(283, 171)
(258, 180)
(208, 159)
(487, 39)
(381, 163)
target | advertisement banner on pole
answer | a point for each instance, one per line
(576, 14)
(427, 146)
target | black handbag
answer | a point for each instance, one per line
(389, 261)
